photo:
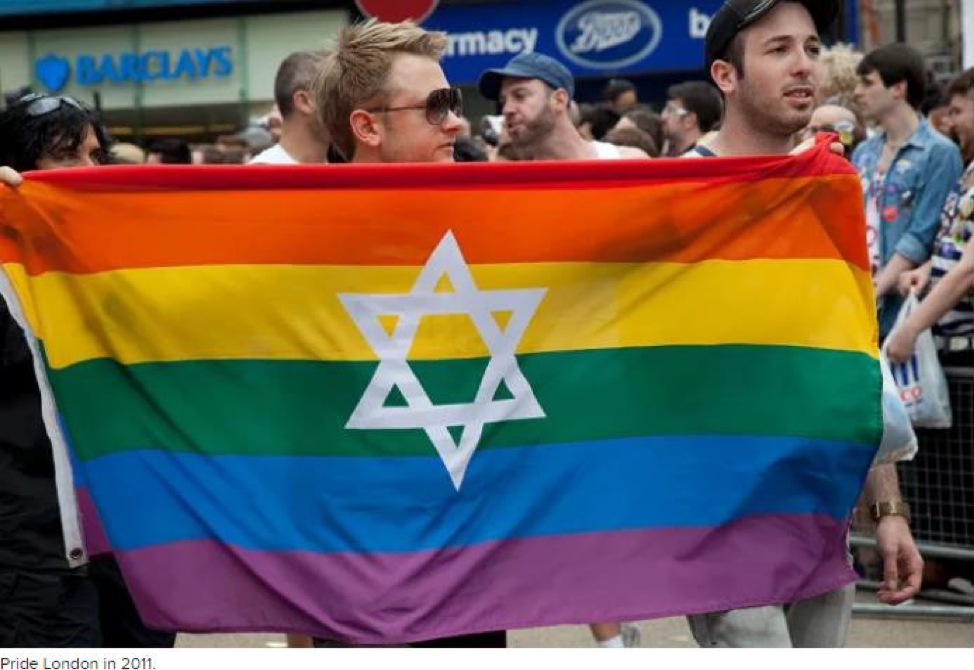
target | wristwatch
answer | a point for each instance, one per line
(889, 508)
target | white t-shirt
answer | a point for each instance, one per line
(606, 151)
(273, 156)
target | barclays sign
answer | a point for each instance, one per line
(609, 34)
(54, 71)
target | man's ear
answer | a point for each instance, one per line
(724, 76)
(899, 90)
(560, 96)
(303, 102)
(365, 127)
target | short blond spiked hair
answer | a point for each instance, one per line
(357, 70)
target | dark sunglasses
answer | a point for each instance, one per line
(438, 104)
(39, 104)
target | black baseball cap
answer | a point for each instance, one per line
(528, 66)
(736, 15)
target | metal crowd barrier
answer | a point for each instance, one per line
(939, 485)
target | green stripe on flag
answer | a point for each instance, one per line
(258, 407)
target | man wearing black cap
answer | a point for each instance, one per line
(535, 92)
(763, 56)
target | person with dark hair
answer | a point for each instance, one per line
(891, 65)
(907, 171)
(934, 106)
(763, 55)
(632, 137)
(170, 151)
(960, 112)
(948, 308)
(49, 597)
(620, 95)
(693, 109)
(648, 121)
(581, 116)
(466, 150)
(303, 137)
(41, 132)
(602, 119)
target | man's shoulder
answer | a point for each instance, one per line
(939, 143)
(275, 155)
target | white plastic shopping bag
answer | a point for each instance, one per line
(921, 380)
(899, 441)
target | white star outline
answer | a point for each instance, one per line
(394, 370)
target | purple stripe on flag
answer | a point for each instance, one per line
(201, 586)
(96, 541)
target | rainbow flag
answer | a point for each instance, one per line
(390, 403)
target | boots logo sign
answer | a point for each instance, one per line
(606, 34)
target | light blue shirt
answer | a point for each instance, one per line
(910, 200)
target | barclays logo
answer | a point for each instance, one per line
(53, 71)
(609, 34)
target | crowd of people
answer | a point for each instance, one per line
(379, 95)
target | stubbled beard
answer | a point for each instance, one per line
(768, 122)
(535, 131)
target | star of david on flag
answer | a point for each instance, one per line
(394, 370)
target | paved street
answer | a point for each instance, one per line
(865, 632)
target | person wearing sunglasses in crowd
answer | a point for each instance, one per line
(43, 601)
(836, 119)
(693, 109)
(383, 97)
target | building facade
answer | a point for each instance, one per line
(198, 68)
(932, 26)
(195, 70)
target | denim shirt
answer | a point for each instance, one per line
(918, 181)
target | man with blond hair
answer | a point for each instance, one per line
(383, 97)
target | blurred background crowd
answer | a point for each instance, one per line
(192, 81)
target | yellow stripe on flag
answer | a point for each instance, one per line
(281, 312)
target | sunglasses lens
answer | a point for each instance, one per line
(39, 104)
(42, 106)
(456, 101)
(441, 102)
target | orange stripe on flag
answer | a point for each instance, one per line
(806, 218)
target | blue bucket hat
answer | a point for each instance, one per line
(528, 66)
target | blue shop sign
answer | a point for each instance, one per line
(28, 7)
(54, 71)
(594, 37)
